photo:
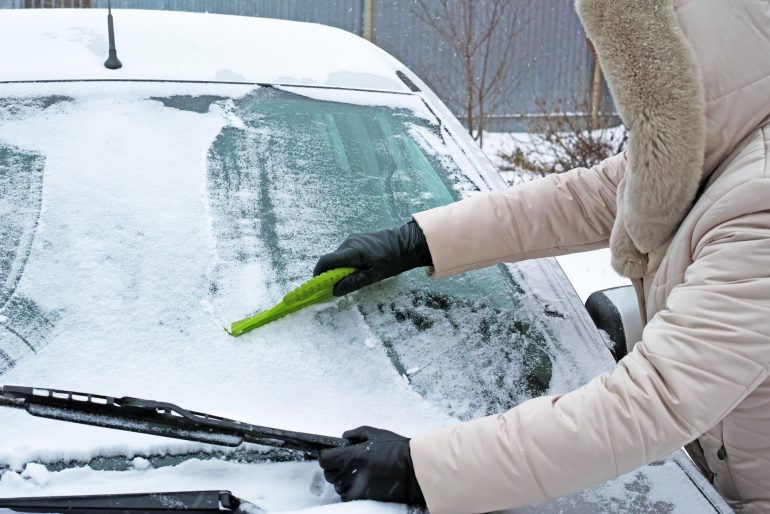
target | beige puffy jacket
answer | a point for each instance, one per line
(700, 371)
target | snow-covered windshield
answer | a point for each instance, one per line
(136, 220)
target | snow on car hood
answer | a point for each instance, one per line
(60, 44)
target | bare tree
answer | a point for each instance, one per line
(482, 35)
(560, 140)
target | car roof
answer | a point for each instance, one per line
(71, 44)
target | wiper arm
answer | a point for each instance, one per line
(190, 501)
(157, 418)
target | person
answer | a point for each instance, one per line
(686, 212)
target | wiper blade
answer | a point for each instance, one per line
(157, 418)
(188, 501)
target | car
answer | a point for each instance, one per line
(147, 207)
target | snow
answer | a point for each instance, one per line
(294, 487)
(471, 181)
(591, 271)
(62, 44)
(141, 464)
(274, 487)
(496, 144)
(393, 100)
(37, 474)
(574, 337)
(660, 490)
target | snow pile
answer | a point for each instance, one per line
(37, 474)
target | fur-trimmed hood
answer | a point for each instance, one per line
(690, 78)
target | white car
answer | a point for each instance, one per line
(142, 209)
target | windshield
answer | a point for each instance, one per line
(137, 220)
(143, 222)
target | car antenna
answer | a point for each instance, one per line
(112, 61)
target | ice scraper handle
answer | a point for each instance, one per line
(377, 256)
(317, 289)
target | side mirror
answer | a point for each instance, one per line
(616, 312)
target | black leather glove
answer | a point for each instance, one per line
(376, 256)
(377, 467)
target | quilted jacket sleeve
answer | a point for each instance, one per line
(559, 214)
(698, 358)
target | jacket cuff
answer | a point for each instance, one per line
(468, 234)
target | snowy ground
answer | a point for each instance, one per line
(587, 271)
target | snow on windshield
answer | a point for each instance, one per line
(165, 216)
(131, 253)
(23, 324)
(138, 219)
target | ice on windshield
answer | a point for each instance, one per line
(294, 176)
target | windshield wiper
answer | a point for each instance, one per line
(157, 418)
(188, 501)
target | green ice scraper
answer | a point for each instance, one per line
(315, 290)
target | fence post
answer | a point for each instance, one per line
(367, 30)
(596, 89)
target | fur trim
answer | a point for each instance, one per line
(626, 259)
(655, 80)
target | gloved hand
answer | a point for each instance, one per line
(376, 256)
(377, 467)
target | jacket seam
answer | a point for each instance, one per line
(765, 140)
(738, 449)
(730, 93)
(725, 197)
(527, 455)
(747, 389)
(748, 180)
(733, 474)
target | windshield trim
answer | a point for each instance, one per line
(181, 81)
